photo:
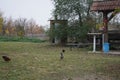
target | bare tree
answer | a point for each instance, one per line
(20, 26)
(1, 22)
(31, 25)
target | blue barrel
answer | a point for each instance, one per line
(106, 47)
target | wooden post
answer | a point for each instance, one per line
(94, 40)
(94, 43)
(105, 29)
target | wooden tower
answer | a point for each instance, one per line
(106, 7)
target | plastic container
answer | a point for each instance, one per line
(106, 47)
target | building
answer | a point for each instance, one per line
(56, 24)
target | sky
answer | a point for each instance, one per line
(39, 10)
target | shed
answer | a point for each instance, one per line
(55, 24)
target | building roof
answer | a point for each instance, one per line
(105, 5)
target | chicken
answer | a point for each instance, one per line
(6, 58)
(62, 54)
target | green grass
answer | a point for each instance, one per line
(40, 61)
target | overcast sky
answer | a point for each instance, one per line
(39, 10)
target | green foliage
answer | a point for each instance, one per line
(19, 39)
(77, 12)
(60, 31)
(72, 9)
(117, 10)
(79, 32)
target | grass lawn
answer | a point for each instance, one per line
(40, 61)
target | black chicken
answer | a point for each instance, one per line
(6, 58)
(62, 54)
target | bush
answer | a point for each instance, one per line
(19, 39)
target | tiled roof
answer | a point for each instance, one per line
(105, 5)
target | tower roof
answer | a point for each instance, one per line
(105, 5)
